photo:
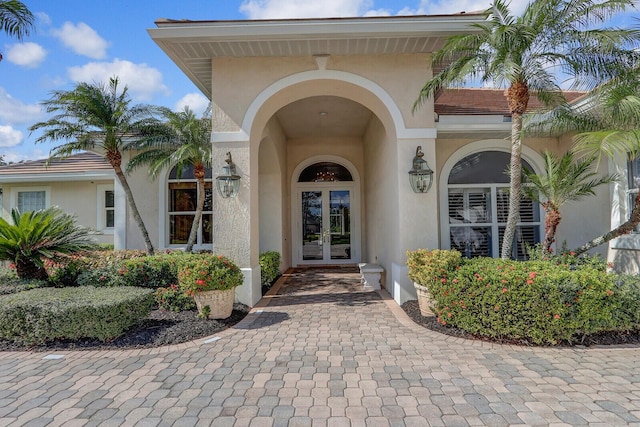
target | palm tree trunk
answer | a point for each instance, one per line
(114, 159)
(624, 228)
(551, 222)
(518, 98)
(198, 216)
(27, 269)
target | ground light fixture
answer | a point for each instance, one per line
(229, 181)
(420, 176)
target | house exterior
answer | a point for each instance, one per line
(82, 184)
(317, 115)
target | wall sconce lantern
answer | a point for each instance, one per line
(229, 182)
(421, 176)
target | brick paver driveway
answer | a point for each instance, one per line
(324, 353)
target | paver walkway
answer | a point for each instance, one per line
(324, 353)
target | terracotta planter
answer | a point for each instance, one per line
(220, 302)
(424, 300)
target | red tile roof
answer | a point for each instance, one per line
(81, 162)
(474, 101)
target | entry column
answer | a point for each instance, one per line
(235, 220)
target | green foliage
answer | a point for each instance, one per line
(567, 258)
(269, 267)
(540, 302)
(208, 273)
(174, 298)
(40, 235)
(40, 315)
(426, 266)
(10, 283)
(205, 312)
(16, 19)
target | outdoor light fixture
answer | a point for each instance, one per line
(229, 182)
(421, 176)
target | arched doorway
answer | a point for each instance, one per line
(326, 212)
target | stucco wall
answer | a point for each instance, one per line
(401, 76)
(274, 194)
(79, 198)
(380, 191)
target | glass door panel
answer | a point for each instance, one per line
(340, 224)
(312, 226)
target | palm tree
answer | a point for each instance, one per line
(16, 20)
(523, 54)
(187, 143)
(39, 235)
(566, 179)
(607, 123)
(97, 116)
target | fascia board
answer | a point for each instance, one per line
(55, 177)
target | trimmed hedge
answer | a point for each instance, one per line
(10, 283)
(269, 267)
(40, 315)
(540, 302)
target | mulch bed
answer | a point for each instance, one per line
(160, 328)
(607, 338)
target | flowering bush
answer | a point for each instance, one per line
(539, 302)
(174, 298)
(427, 266)
(209, 273)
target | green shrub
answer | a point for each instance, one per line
(538, 301)
(107, 268)
(269, 267)
(174, 298)
(426, 266)
(40, 315)
(566, 258)
(208, 273)
(10, 283)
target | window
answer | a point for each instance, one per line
(31, 200)
(106, 220)
(633, 172)
(478, 205)
(183, 198)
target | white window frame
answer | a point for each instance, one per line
(101, 218)
(532, 157)
(16, 190)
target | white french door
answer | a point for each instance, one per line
(325, 229)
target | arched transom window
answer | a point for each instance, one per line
(183, 198)
(325, 172)
(478, 205)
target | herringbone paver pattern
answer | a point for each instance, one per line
(324, 353)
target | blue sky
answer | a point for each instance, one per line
(92, 40)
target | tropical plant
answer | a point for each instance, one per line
(36, 236)
(99, 117)
(186, 142)
(16, 20)
(524, 53)
(566, 179)
(606, 123)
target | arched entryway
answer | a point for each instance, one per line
(326, 223)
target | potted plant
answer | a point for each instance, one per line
(427, 268)
(211, 281)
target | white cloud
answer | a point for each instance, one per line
(377, 12)
(16, 112)
(43, 18)
(26, 54)
(196, 102)
(15, 156)
(273, 9)
(143, 81)
(82, 39)
(10, 137)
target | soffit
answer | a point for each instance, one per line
(192, 44)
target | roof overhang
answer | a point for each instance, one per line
(18, 178)
(193, 44)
